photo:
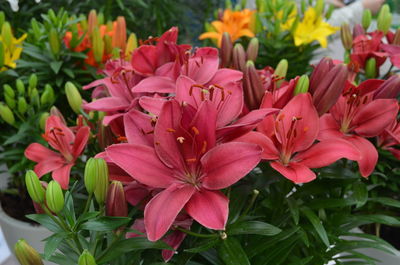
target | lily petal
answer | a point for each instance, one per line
(270, 152)
(37, 152)
(296, 172)
(80, 142)
(369, 155)
(61, 175)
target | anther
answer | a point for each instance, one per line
(180, 139)
(170, 130)
(195, 130)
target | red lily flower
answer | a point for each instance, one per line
(389, 138)
(394, 53)
(291, 147)
(68, 145)
(365, 48)
(357, 115)
(173, 239)
(187, 165)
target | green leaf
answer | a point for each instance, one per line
(105, 223)
(84, 217)
(56, 66)
(254, 227)
(128, 245)
(317, 224)
(386, 201)
(360, 193)
(232, 253)
(52, 243)
(203, 246)
(294, 209)
(46, 221)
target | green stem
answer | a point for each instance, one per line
(89, 200)
(115, 240)
(252, 200)
(194, 233)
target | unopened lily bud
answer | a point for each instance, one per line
(370, 68)
(48, 96)
(131, 45)
(36, 29)
(20, 87)
(100, 190)
(32, 81)
(90, 175)
(100, 19)
(26, 254)
(6, 34)
(366, 19)
(83, 22)
(119, 38)
(22, 105)
(116, 204)
(98, 45)
(226, 50)
(281, 71)
(2, 52)
(319, 8)
(54, 41)
(302, 85)
(8, 90)
(2, 18)
(358, 30)
(384, 19)
(108, 44)
(303, 6)
(34, 98)
(86, 258)
(252, 87)
(239, 57)
(74, 97)
(92, 21)
(54, 111)
(6, 114)
(34, 187)
(328, 14)
(252, 49)
(389, 89)
(346, 36)
(10, 101)
(43, 119)
(54, 197)
(396, 39)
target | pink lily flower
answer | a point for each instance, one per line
(68, 145)
(356, 116)
(394, 53)
(389, 138)
(173, 239)
(187, 165)
(365, 47)
(291, 148)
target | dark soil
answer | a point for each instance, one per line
(391, 235)
(17, 206)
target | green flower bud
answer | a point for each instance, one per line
(370, 68)
(33, 81)
(86, 258)
(6, 34)
(2, 19)
(8, 90)
(252, 49)
(303, 6)
(10, 101)
(22, 105)
(100, 18)
(98, 45)
(346, 36)
(20, 87)
(47, 97)
(26, 254)
(101, 186)
(328, 14)
(108, 44)
(34, 187)
(74, 97)
(6, 114)
(366, 19)
(36, 29)
(90, 175)
(281, 71)
(1, 54)
(54, 197)
(42, 120)
(83, 22)
(384, 19)
(319, 8)
(35, 99)
(54, 41)
(302, 85)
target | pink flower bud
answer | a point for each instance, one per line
(226, 50)
(116, 204)
(389, 89)
(239, 57)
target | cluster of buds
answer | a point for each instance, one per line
(100, 41)
(10, 47)
(23, 100)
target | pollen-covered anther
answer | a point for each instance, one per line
(171, 130)
(204, 147)
(195, 130)
(180, 139)
(305, 129)
(191, 160)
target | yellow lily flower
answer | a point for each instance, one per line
(236, 23)
(11, 52)
(313, 28)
